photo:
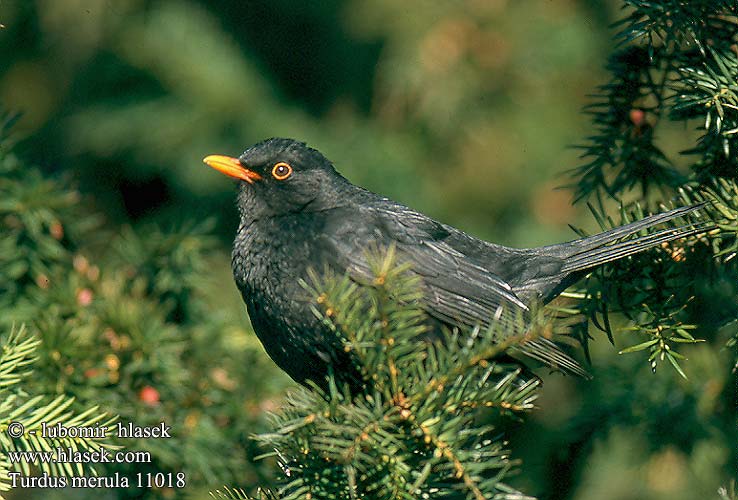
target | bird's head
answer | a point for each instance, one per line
(281, 176)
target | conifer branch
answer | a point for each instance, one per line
(675, 61)
(414, 430)
(31, 412)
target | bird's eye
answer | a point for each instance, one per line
(281, 171)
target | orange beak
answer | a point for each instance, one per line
(231, 167)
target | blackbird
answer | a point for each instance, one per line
(297, 212)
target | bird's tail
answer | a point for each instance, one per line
(586, 253)
(589, 252)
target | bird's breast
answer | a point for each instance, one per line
(269, 260)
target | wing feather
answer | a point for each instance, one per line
(458, 289)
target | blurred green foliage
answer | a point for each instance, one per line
(461, 109)
(124, 324)
(464, 110)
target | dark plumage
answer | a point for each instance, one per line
(297, 212)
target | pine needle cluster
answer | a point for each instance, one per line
(17, 407)
(415, 431)
(675, 62)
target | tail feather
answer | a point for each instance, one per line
(592, 258)
(626, 230)
(605, 247)
(586, 253)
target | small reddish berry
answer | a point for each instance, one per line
(637, 117)
(149, 395)
(42, 281)
(84, 297)
(56, 230)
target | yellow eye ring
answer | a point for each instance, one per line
(281, 171)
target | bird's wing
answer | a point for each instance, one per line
(458, 289)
